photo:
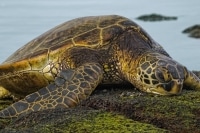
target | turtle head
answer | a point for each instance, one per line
(160, 74)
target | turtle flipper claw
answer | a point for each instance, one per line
(69, 88)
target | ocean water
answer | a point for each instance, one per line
(23, 20)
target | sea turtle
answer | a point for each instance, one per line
(63, 66)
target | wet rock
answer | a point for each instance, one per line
(193, 31)
(156, 17)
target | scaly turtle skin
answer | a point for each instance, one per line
(64, 65)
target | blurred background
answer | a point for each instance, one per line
(23, 20)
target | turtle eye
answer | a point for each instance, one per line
(162, 75)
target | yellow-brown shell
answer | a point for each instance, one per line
(33, 66)
(90, 32)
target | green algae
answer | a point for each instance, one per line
(87, 122)
(173, 113)
(112, 123)
(104, 123)
(124, 110)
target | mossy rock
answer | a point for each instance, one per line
(78, 120)
(193, 31)
(117, 110)
(156, 17)
(175, 114)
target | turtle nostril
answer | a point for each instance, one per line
(179, 81)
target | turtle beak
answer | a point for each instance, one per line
(173, 87)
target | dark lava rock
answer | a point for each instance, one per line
(156, 17)
(193, 31)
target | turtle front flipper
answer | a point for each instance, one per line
(191, 80)
(69, 88)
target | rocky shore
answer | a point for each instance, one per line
(115, 110)
(192, 31)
